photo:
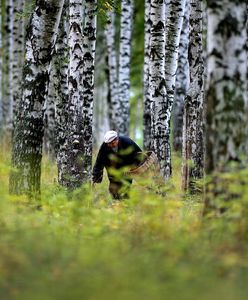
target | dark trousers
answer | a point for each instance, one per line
(120, 190)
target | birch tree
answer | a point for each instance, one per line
(113, 99)
(81, 86)
(29, 129)
(124, 65)
(1, 68)
(18, 53)
(227, 85)
(182, 82)
(170, 56)
(10, 74)
(227, 104)
(193, 110)
(147, 98)
(61, 94)
(157, 82)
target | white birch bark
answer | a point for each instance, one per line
(157, 84)
(18, 54)
(193, 157)
(123, 118)
(5, 54)
(61, 98)
(88, 84)
(172, 36)
(1, 68)
(113, 99)
(147, 97)
(75, 80)
(29, 129)
(182, 82)
(81, 87)
(227, 111)
(10, 74)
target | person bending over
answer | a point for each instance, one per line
(116, 152)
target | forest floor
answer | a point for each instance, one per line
(148, 247)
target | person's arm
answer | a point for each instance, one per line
(97, 173)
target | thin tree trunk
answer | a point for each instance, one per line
(157, 82)
(172, 38)
(123, 119)
(18, 54)
(61, 99)
(182, 82)
(29, 129)
(10, 74)
(5, 53)
(113, 100)
(1, 68)
(147, 98)
(193, 110)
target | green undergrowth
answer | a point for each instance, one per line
(83, 245)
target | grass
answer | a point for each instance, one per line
(147, 247)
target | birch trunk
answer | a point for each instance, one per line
(1, 68)
(227, 83)
(147, 97)
(113, 100)
(123, 118)
(74, 176)
(10, 61)
(88, 84)
(227, 106)
(29, 129)
(61, 98)
(81, 87)
(172, 38)
(157, 83)
(193, 110)
(182, 82)
(18, 54)
(5, 54)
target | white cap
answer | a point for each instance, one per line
(110, 136)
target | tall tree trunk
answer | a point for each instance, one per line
(81, 88)
(123, 119)
(29, 129)
(182, 82)
(113, 99)
(172, 38)
(227, 106)
(157, 82)
(18, 54)
(88, 84)
(193, 110)
(147, 98)
(10, 61)
(61, 94)
(227, 85)
(1, 68)
(75, 145)
(5, 53)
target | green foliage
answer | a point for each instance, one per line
(83, 245)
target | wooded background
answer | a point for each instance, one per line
(171, 74)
